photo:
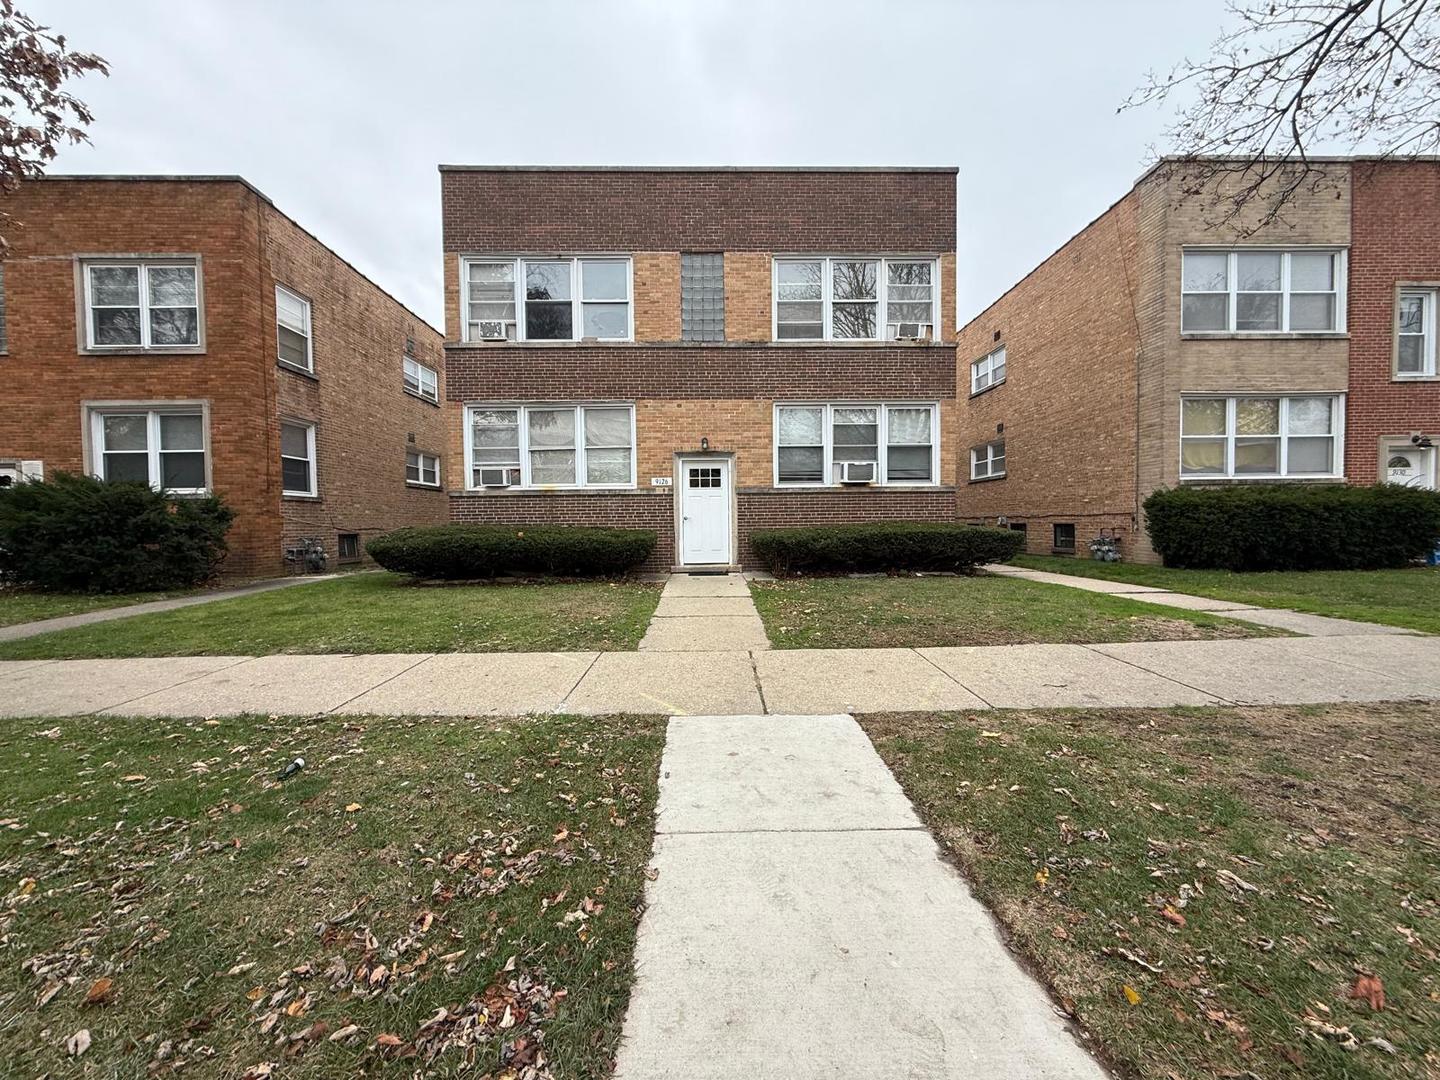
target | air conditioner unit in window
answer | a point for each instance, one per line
(490, 330)
(909, 331)
(499, 477)
(12, 472)
(857, 472)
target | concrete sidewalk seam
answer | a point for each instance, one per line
(759, 689)
(952, 678)
(172, 686)
(1141, 667)
(423, 660)
(789, 831)
(560, 706)
(1361, 667)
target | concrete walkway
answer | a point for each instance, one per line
(705, 613)
(803, 925)
(66, 622)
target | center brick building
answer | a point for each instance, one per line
(703, 352)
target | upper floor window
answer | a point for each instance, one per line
(1415, 334)
(1260, 437)
(852, 299)
(422, 469)
(565, 446)
(1260, 290)
(988, 371)
(147, 305)
(163, 446)
(420, 380)
(292, 329)
(988, 462)
(566, 299)
(702, 297)
(887, 444)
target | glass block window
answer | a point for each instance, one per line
(702, 297)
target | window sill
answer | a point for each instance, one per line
(987, 479)
(1395, 378)
(129, 350)
(297, 496)
(516, 489)
(307, 373)
(423, 487)
(420, 397)
(1338, 478)
(919, 485)
(993, 386)
(1264, 335)
(1063, 551)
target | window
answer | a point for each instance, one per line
(702, 298)
(987, 462)
(853, 299)
(1415, 334)
(348, 547)
(548, 299)
(1063, 538)
(421, 380)
(292, 328)
(162, 447)
(297, 458)
(141, 305)
(423, 469)
(1263, 437)
(553, 445)
(812, 442)
(1262, 291)
(988, 371)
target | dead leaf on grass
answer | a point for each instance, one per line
(1131, 994)
(1370, 989)
(101, 992)
(78, 1043)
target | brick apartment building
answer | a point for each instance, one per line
(1156, 349)
(699, 351)
(184, 331)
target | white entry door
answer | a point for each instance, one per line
(705, 512)
(1412, 466)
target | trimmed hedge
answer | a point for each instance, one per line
(460, 552)
(889, 545)
(1300, 527)
(75, 533)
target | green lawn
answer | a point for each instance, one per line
(1203, 890)
(21, 606)
(874, 612)
(1397, 597)
(424, 893)
(373, 613)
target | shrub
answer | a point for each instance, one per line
(1300, 527)
(890, 545)
(78, 534)
(477, 551)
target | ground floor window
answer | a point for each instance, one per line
(297, 458)
(988, 462)
(163, 446)
(422, 469)
(823, 444)
(1261, 437)
(551, 446)
(349, 547)
(1063, 538)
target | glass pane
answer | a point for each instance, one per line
(1202, 416)
(501, 273)
(552, 466)
(294, 441)
(1199, 312)
(801, 427)
(1257, 416)
(117, 326)
(127, 467)
(908, 292)
(172, 286)
(853, 320)
(117, 285)
(801, 464)
(607, 427)
(1205, 272)
(504, 310)
(290, 310)
(854, 280)
(551, 427)
(1257, 271)
(495, 427)
(798, 281)
(1309, 416)
(1310, 455)
(1412, 353)
(908, 312)
(547, 280)
(907, 274)
(908, 463)
(1412, 314)
(1312, 272)
(412, 470)
(799, 331)
(607, 466)
(496, 455)
(1202, 456)
(182, 471)
(292, 347)
(295, 475)
(606, 320)
(854, 416)
(126, 432)
(799, 312)
(1257, 311)
(909, 426)
(1315, 311)
(174, 326)
(603, 279)
(1257, 456)
(181, 433)
(549, 322)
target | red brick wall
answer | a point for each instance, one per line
(1394, 239)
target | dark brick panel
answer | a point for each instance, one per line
(775, 509)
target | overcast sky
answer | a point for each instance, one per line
(340, 111)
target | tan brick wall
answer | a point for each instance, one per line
(747, 296)
(948, 330)
(657, 295)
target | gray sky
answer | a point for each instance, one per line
(341, 111)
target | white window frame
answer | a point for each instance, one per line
(1340, 269)
(307, 331)
(420, 460)
(142, 268)
(986, 367)
(522, 409)
(989, 460)
(882, 437)
(420, 371)
(1337, 438)
(827, 282)
(153, 411)
(1428, 295)
(577, 304)
(310, 459)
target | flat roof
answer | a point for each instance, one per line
(951, 169)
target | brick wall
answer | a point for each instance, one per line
(657, 295)
(1395, 241)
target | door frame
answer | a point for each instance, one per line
(727, 461)
(1392, 443)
